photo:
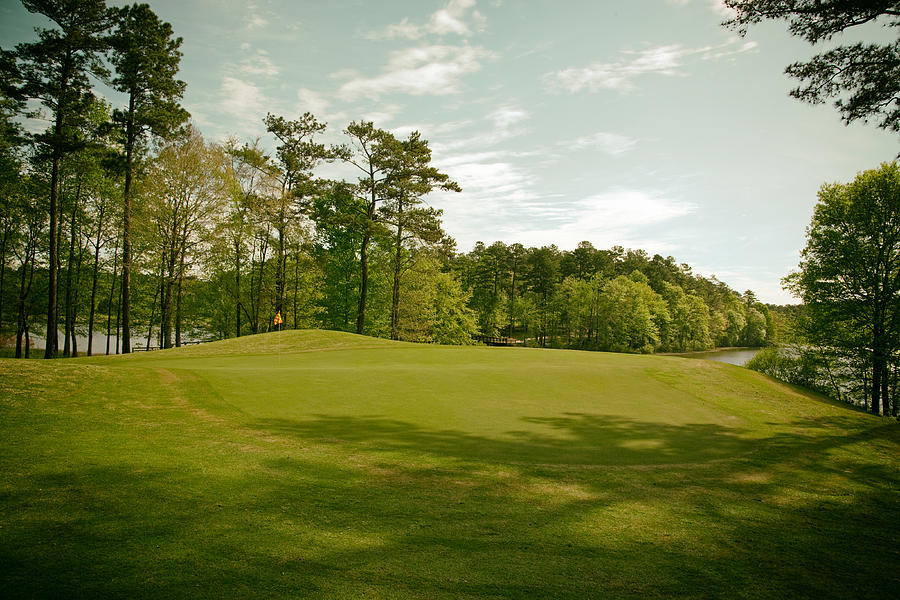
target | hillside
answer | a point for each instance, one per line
(321, 464)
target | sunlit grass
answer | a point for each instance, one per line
(324, 465)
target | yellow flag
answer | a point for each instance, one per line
(278, 320)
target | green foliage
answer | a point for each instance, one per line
(849, 274)
(632, 315)
(434, 306)
(146, 59)
(862, 78)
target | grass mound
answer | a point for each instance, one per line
(321, 464)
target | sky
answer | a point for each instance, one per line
(643, 124)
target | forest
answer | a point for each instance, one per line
(125, 221)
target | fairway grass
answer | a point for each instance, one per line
(314, 464)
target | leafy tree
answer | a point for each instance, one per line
(146, 59)
(184, 189)
(542, 272)
(849, 274)
(296, 156)
(433, 306)
(55, 70)
(689, 326)
(31, 209)
(340, 221)
(411, 178)
(249, 175)
(372, 151)
(11, 188)
(863, 79)
(632, 314)
(486, 273)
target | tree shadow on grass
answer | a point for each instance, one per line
(370, 507)
(574, 439)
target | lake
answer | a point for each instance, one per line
(734, 356)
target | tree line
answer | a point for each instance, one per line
(618, 300)
(123, 219)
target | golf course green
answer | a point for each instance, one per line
(318, 464)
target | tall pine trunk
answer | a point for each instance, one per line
(395, 291)
(130, 137)
(364, 258)
(237, 289)
(24, 291)
(51, 343)
(76, 297)
(3, 243)
(179, 285)
(95, 277)
(296, 283)
(69, 264)
(109, 305)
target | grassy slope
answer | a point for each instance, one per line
(324, 465)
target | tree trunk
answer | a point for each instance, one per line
(23, 294)
(76, 296)
(130, 136)
(237, 289)
(363, 282)
(364, 260)
(877, 375)
(6, 231)
(178, 289)
(95, 277)
(296, 283)
(69, 264)
(109, 305)
(179, 286)
(167, 285)
(395, 290)
(118, 316)
(156, 298)
(51, 342)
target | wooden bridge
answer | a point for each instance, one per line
(497, 341)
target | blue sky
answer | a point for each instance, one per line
(643, 124)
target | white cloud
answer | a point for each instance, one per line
(620, 216)
(495, 190)
(431, 70)
(717, 6)
(620, 75)
(506, 122)
(507, 116)
(403, 29)
(256, 22)
(610, 143)
(259, 65)
(382, 114)
(429, 130)
(243, 101)
(624, 208)
(453, 18)
(310, 101)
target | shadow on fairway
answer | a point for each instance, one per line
(573, 439)
(339, 507)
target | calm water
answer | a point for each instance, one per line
(739, 356)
